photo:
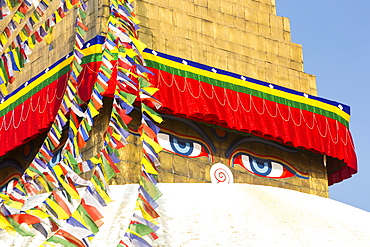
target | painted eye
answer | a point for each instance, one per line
(265, 166)
(183, 146)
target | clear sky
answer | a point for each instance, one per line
(335, 35)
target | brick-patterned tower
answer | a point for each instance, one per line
(245, 37)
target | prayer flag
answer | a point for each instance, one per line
(20, 228)
(136, 239)
(59, 238)
(61, 214)
(25, 218)
(141, 229)
(150, 188)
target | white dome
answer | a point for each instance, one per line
(231, 215)
(240, 215)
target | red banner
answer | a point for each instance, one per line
(200, 101)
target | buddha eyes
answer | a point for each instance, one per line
(187, 146)
(264, 166)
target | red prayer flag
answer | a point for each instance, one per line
(61, 203)
(69, 237)
(25, 218)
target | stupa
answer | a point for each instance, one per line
(124, 94)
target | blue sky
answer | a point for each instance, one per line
(335, 35)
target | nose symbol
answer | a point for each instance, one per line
(221, 174)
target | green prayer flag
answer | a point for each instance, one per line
(61, 241)
(82, 14)
(99, 88)
(150, 188)
(129, 97)
(19, 228)
(87, 218)
(81, 31)
(108, 170)
(141, 229)
(144, 82)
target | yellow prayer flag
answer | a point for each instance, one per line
(48, 38)
(58, 171)
(4, 222)
(113, 20)
(47, 244)
(75, 144)
(115, 4)
(69, 4)
(39, 213)
(61, 115)
(157, 148)
(150, 90)
(23, 36)
(16, 18)
(79, 218)
(95, 160)
(4, 197)
(71, 86)
(31, 173)
(47, 144)
(156, 118)
(131, 53)
(2, 75)
(116, 136)
(139, 45)
(93, 111)
(74, 68)
(129, 72)
(31, 43)
(148, 166)
(19, 187)
(143, 212)
(57, 17)
(33, 17)
(3, 89)
(43, 183)
(67, 101)
(108, 56)
(14, 204)
(114, 50)
(3, 39)
(73, 127)
(106, 74)
(62, 215)
(11, 231)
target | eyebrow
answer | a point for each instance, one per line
(12, 163)
(195, 127)
(241, 140)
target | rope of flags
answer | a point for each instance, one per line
(15, 55)
(6, 7)
(132, 77)
(53, 198)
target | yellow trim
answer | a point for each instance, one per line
(240, 82)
